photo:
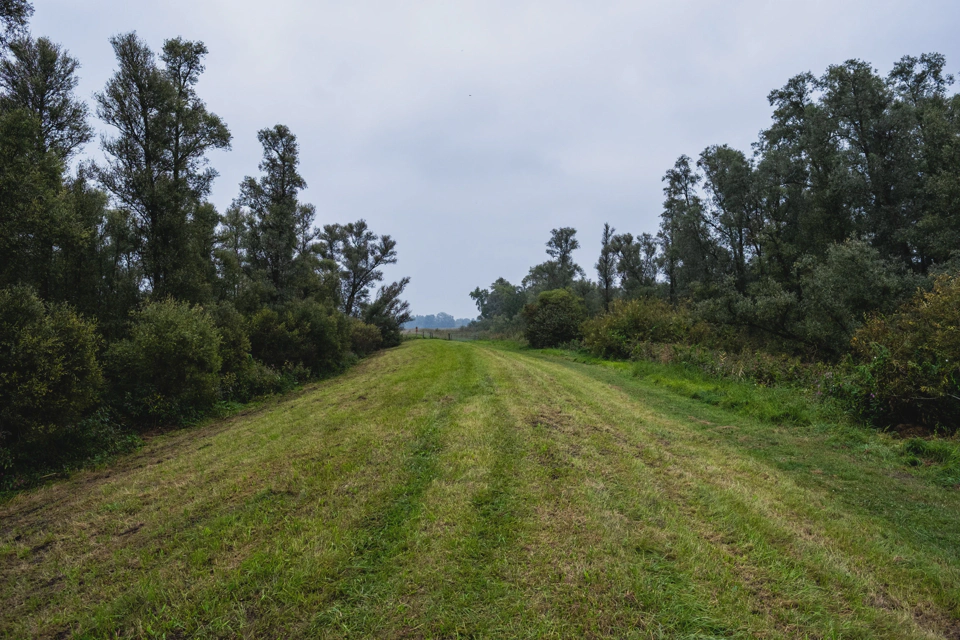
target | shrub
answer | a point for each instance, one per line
(554, 319)
(850, 281)
(303, 335)
(906, 366)
(617, 333)
(364, 338)
(167, 371)
(49, 374)
(241, 377)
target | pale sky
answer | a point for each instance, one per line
(467, 130)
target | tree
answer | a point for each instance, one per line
(359, 254)
(561, 271)
(501, 300)
(35, 222)
(388, 312)
(157, 166)
(40, 77)
(272, 241)
(687, 250)
(560, 247)
(636, 263)
(607, 266)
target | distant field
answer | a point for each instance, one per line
(451, 489)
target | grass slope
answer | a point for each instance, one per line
(455, 489)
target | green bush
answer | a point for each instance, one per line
(364, 338)
(167, 371)
(554, 319)
(49, 374)
(906, 366)
(304, 335)
(617, 334)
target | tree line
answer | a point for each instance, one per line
(843, 215)
(127, 300)
(440, 320)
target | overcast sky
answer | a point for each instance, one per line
(467, 130)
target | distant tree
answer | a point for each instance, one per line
(607, 266)
(560, 247)
(359, 254)
(40, 77)
(501, 300)
(636, 263)
(561, 271)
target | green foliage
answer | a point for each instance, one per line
(34, 221)
(305, 337)
(850, 281)
(49, 373)
(388, 312)
(906, 366)
(561, 271)
(776, 405)
(359, 255)
(554, 319)
(167, 371)
(501, 300)
(616, 334)
(364, 338)
(156, 166)
(39, 77)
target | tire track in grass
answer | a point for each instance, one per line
(792, 584)
(362, 583)
(810, 534)
(576, 580)
(496, 514)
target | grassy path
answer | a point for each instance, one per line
(446, 489)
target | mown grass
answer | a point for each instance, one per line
(447, 489)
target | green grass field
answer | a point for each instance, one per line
(447, 489)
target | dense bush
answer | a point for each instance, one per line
(364, 338)
(49, 374)
(167, 371)
(554, 319)
(839, 290)
(617, 333)
(906, 366)
(304, 335)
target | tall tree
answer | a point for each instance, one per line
(272, 201)
(607, 266)
(687, 249)
(40, 77)
(561, 245)
(561, 271)
(157, 166)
